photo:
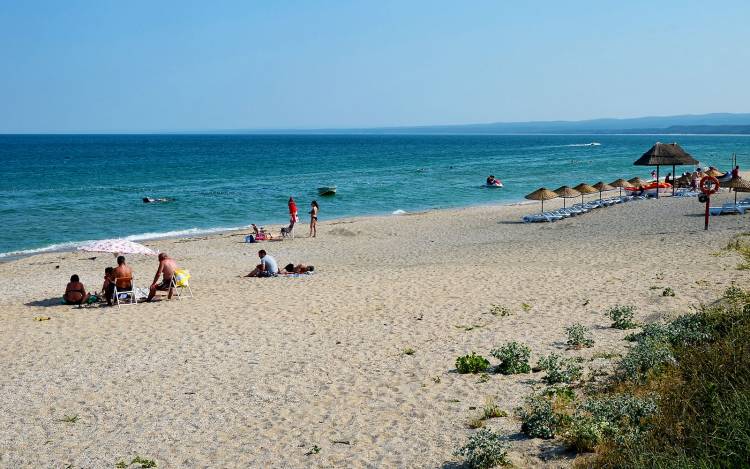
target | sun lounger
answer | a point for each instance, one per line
(727, 208)
(539, 217)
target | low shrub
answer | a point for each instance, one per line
(514, 358)
(647, 357)
(559, 370)
(491, 411)
(500, 310)
(485, 449)
(538, 418)
(472, 364)
(578, 337)
(667, 292)
(622, 317)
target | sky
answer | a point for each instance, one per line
(128, 66)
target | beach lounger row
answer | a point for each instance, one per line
(731, 207)
(577, 209)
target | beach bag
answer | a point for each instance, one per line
(249, 239)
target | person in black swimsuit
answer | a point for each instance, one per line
(75, 292)
(314, 218)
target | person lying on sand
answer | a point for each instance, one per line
(297, 269)
(166, 269)
(267, 267)
(124, 273)
(75, 292)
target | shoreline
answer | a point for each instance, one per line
(71, 246)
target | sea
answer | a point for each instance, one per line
(59, 191)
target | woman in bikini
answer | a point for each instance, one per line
(314, 218)
(75, 292)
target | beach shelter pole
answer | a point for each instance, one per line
(673, 175)
(657, 181)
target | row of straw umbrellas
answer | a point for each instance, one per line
(565, 192)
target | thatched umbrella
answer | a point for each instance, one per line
(714, 172)
(601, 187)
(637, 182)
(669, 154)
(566, 193)
(542, 194)
(584, 188)
(621, 183)
(738, 184)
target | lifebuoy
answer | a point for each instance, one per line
(704, 187)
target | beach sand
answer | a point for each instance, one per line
(258, 372)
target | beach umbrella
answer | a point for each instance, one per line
(665, 154)
(117, 246)
(541, 194)
(584, 188)
(621, 183)
(738, 184)
(566, 193)
(601, 187)
(636, 182)
(714, 172)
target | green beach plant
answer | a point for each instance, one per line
(622, 317)
(514, 358)
(472, 363)
(578, 337)
(559, 370)
(485, 449)
(667, 292)
(500, 310)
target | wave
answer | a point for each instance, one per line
(73, 245)
(590, 144)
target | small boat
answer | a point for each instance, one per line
(327, 190)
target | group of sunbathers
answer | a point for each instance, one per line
(121, 278)
(268, 267)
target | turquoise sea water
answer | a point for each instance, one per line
(60, 190)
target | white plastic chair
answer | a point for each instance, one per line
(180, 283)
(126, 292)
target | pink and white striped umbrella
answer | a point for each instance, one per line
(118, 246)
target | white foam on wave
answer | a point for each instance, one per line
(73, 245)
(399, 212)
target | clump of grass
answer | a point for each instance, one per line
(491, 410)
(667, 292)
(500, 310)
(476, 422)
(483, 378)
(408, 351)
(485, 449)
(622, 316)
(472, 364)
(578, 337)
(514, 358)
(525, 307)
(70, 419)
(559, 370)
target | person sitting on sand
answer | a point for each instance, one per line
(107, 279)
(122, 276)
(75, 292)
(267, 267)
(298, 269)
(166, 269)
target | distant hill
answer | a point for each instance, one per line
(719, 123)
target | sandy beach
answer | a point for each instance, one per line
(259, 372)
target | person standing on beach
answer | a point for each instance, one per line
(293, 218)
(314, 218)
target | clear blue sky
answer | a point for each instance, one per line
(180, 65)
